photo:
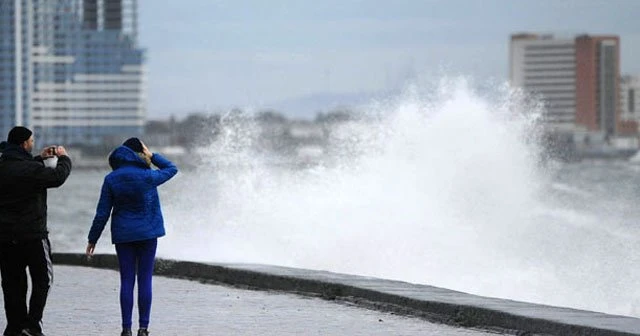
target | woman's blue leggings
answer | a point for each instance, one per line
(136, 257)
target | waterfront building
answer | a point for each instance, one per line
(629, 98)
(72, 70)
(577, 79)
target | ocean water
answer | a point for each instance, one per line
(444, 187)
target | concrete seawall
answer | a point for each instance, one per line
(431, 303)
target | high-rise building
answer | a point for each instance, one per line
(545, 66)
(577, 79)
(72, 70)
(630, 97)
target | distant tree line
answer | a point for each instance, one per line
(200, 128)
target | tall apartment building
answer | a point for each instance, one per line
(630, 97)
(71, 70)
(577, 79)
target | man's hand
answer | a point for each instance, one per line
(48, 152)
(60, 151)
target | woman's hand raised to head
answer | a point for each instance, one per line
(146, 151)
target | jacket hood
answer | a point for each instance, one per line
(125, 156)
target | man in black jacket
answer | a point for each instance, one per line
(24, 241)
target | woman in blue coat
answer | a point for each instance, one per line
(130, 196)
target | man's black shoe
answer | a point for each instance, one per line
(31, 332)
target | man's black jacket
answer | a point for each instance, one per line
(23, 193)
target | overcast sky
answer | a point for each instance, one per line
(205, 55)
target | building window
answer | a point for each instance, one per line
(632, 100)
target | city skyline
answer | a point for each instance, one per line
(72, 70)
(207, 56)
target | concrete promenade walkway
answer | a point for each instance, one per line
(430, 303)
(84, 301)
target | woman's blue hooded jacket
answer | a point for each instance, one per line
(130, 196)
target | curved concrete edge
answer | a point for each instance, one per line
(463, 315)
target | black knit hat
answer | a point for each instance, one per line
(134, 144)
(18, 135)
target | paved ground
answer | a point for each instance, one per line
(84, 301)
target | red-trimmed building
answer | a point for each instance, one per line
(578, 79)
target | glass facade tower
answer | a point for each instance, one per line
(71, 70)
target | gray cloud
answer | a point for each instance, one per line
(206, 53)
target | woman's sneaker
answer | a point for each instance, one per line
(143, 332)
(126, 332)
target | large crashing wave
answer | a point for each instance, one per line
(441, 187)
